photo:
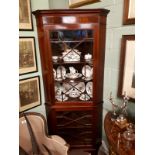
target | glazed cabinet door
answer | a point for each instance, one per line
(72, 52)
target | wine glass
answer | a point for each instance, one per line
(123, 106)
(114, 106)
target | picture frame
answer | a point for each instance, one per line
(27, 55)
(29, 93)
(78, 3)
(129, 12)
(127, 67)
(25, 16)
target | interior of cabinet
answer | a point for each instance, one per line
(72, 61)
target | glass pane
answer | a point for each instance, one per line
(72, 58)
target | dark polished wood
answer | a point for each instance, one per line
(125, 38)
(112, 131)
(126, 19)
(78, 122)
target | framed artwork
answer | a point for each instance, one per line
(29, 93)
(129, 12)
(25, 16)
(78, 3)
(27, 55)
(127, 67)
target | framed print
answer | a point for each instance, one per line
(78, 3)
(127, 67)
(29, 93)
(27, 55)
(25, 16)
(129, 12)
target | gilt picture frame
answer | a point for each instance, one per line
(78, 3)
(27, 55)
(129, 12)
(25, 16)
(127, 67)
(29, 93)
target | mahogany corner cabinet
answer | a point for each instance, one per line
(72, 50)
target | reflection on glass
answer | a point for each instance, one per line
(81, 40)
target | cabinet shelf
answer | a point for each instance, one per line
(67, 80)
(71, 41)
(82, 61)
(74, 100)
(71, 102)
